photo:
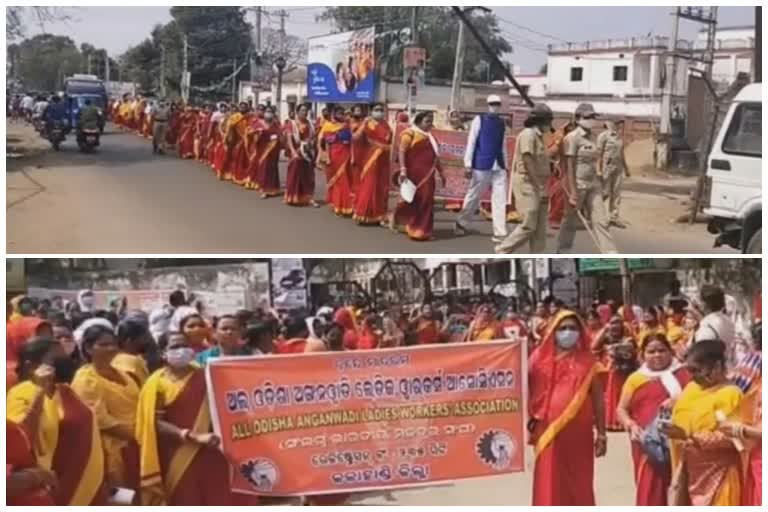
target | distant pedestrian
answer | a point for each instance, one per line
(612, 168)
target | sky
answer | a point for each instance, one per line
(529, 29)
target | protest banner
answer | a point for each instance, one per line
(452, 145)
(341, 422)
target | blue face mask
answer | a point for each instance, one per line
(567, 339)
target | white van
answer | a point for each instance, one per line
(735, 177)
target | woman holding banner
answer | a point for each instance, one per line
(418, 157)
(649, 394)
(373, 151)
(335, 139)
(180, 460)
(63, 430)
(566, 409)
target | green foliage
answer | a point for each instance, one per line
(437, 32)
(45, 60)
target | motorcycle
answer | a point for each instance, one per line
(56, 135)
(88, 140)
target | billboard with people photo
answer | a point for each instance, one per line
(342, 67)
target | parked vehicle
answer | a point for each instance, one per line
(734, 175)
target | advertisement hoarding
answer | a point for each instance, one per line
(342, 67)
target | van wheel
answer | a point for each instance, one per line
(755, 245)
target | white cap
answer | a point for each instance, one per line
(493, 98)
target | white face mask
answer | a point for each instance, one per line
(179, 357)
(566, 340)
(588, 124)
(269, 116)
(377, 115)
(493, 109)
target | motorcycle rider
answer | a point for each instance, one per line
(88, 118)
(56, 112)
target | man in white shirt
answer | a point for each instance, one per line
(27, 104)
(485, 163)
(716, 325)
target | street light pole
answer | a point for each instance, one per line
(280, 64)
(458, 70)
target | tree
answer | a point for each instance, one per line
(216, 36)
(45, 60)
(437, 32)
(15, 19)
(737, 277)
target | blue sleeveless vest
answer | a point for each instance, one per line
(490, 143)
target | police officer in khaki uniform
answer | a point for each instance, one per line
(531, 167)
(161, 114)
(583, 185)
(612, 168)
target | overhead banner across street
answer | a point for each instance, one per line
(342, 422)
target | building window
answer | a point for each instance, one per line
(620, 73)
(577, 74)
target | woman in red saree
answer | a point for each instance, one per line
(357, 148)
(17, 333)
(235, 166)
(300, 181)
(418, 163)
(174, 125)
(264, 173)
(203, 133)
(346, 318)
(181, 464)
(425, 327)
(185, 147)
(565, 407)
(219, 124)
(555, 183)
(649, 390)
(215, 136)
(26, 483)
(335, 138)
(63, 430)
(373, 146)
(614, 347)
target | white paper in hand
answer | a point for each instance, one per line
(122, 497)
(407, 190)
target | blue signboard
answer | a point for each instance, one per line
(342, 67)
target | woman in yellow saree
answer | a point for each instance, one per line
(706, 463)
(65, 436)
(113, 396)
(180, 460)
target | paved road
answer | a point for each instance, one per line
(614, 485)
(125, 200)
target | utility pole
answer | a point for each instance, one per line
(234, 79)
(256, 57)
(162, 71)
(185, 81)
(711, 41)
(106, 67)
(458, 70)
(626, 283)
(669, 86)
(757, 58)
(459, 12)
(89, 63)
(412, 43)
(280, 64)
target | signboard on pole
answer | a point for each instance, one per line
(341, 422)
(342, 67)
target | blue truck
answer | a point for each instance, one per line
(79, 88)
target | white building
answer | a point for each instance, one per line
(627, 77)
